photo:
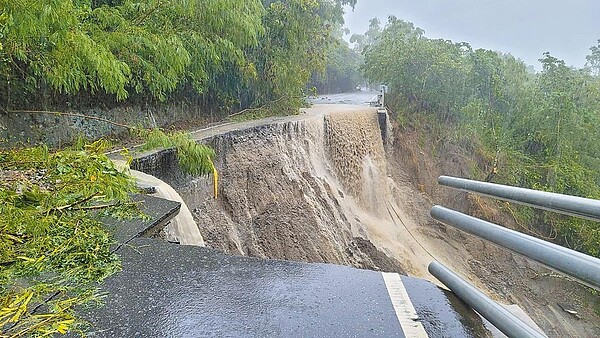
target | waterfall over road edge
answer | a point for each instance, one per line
(182, 228)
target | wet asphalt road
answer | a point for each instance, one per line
(167, 290)
(170, 290)
(359, 98)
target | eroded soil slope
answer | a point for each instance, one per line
(323, 188)
(295, 190)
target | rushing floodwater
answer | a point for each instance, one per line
(182, 228)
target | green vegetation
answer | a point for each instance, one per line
(226, 54)
(194, 158)
(537, 129)
(53, 246)
(342, 73)
(124, 47)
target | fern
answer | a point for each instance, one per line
(194, 158)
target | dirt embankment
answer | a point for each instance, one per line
(507, 278)
(280, 197)
(323, 189)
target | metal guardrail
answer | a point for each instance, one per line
(584, 268)
(564, 204)
(500, 317)
(570, 262)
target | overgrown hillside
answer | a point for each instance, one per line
(533, 129)
(221, 54)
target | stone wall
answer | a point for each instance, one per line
(57, 130)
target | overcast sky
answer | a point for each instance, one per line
(524, 28)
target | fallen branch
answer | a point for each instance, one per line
(104, 206)
(74, 203)
(247, 110)
(96, 207)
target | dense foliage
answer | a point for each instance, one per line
(231, 53)
(193, 158)
(342, 69)
(54, 248)
(540, 129)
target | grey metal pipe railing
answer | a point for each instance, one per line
(564, 204)
(500, 317)
(580, 266)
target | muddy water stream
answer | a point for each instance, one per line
(182, 228)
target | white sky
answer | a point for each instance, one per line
(524, 28)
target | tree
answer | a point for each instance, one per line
(540, 128)
(341, 69)
(122, 47)
(593, 60)
(229, 53)
(362, 41)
